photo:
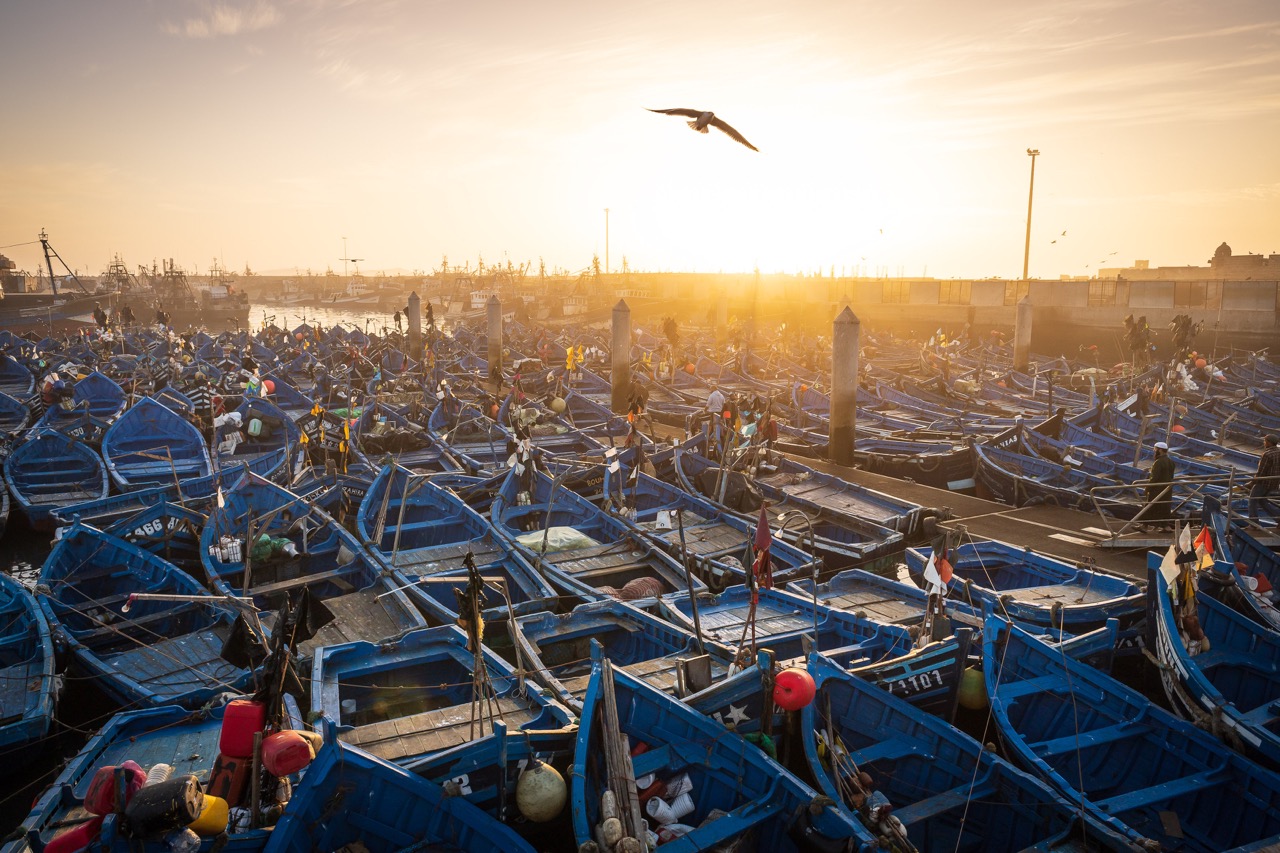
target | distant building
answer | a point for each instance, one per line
(11, 281)
(1223, 266)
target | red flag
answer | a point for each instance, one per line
(764, 540)
(944, 568)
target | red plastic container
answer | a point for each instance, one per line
(229, 779)
(242, 719)
(100, 799)
(285, 753)
(75, 839)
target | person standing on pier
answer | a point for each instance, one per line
(1264, 481)
(1160, 492)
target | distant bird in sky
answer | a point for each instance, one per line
(702, 119)
(1063, 234)
(1113, 253)
(1053, 241)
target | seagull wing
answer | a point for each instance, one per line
(677, 111)
(719, 123)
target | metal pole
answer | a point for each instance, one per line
(688, 577)
(846, 332)
(1026, 252)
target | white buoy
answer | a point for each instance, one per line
(541, 792)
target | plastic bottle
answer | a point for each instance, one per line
(182, 841)
(158, 773)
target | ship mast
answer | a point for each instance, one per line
(49, 250)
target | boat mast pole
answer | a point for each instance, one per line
(44, 243)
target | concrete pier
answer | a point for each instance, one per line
(620, 376)
(1022, 335)
(846, 332)
(494, 309)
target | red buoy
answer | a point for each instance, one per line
(793, 689)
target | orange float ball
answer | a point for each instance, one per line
(793, 689)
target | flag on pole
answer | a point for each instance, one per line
(1184, 539)
(1204, 549)
(1169, 566)
(937, 572)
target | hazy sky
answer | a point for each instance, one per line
(265, 131)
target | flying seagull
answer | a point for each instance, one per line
(702, 119)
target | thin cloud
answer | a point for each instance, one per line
(223, 19)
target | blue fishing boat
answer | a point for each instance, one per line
(167, 529)
(16, 379)
(382, 432)
(14, 415)
(1230, 680)
(348, 796)
(267, 543)
(735, 787)
(944, 791)
(1019, 480)
(487, 770)
(425, 532)
(49, 470)
(104, 512)
(580, 549)
(1245, 571)
(471, 436)
(139, 652)
(523, 418)
(185, 740)
(28, 680)
(785, 623)
(421, 694)
(557, 649)
(96, 394)
(151, 444)
(842, 539)
(263, 429)
(81, 426)
(1033, 589)
(1155, 779)
(718, 545)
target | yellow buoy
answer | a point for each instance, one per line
(973, 690)
(213, 817)
(540, 793)
(558, 405)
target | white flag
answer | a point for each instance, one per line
(1184, 539)
(932, 579)
(1169, 566)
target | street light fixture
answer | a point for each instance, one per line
(1026, 252)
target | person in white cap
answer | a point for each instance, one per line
(1160, 491)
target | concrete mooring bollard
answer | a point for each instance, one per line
(494, 309)
(415, 326)
(846, 333)
(620, 377)
(1022, 335)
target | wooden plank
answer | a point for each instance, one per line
(431, 731)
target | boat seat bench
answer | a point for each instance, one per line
(1085, 740)
(1159, 793)
(940, 804)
